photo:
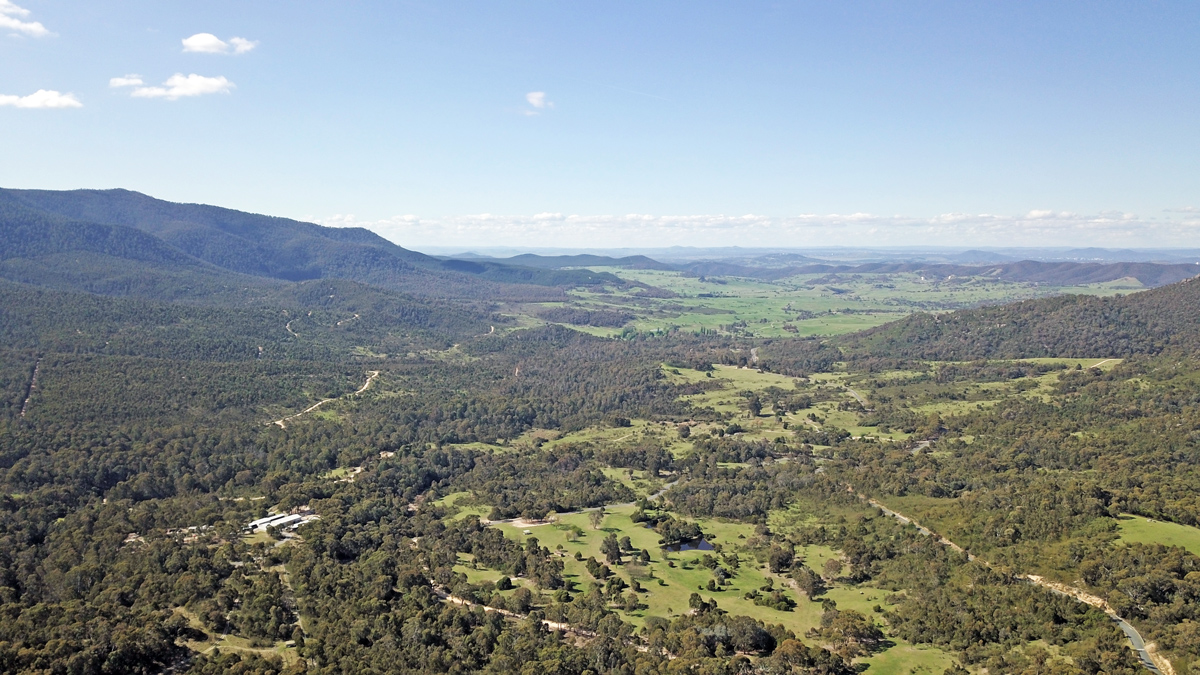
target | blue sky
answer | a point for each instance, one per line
(592, 124)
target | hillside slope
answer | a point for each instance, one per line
(323, 319)
(270, 247)
(1149, 322)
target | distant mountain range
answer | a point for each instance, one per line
(119, 242)
(567, 261)
(1029, 271)
(123, 243)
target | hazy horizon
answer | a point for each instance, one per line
(534, 123)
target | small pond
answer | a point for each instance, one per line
(690, 545)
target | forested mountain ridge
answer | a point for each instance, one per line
(256, 245)
(1149, 322)
(52, 251)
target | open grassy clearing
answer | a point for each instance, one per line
(285, 650)
(907, 659)
(1139, 529)
(458, 510)
(670, 578)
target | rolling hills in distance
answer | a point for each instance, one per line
(128, 231)
(747, 429)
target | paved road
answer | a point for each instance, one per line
(1139, 645)
(861, 401)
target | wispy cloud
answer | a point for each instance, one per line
(179, 86)
(42, 98)
(10, 18)
(538, 100)
(207, 43)
(126, 81)
(1036, 228)
(242, 45)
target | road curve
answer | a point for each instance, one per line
(371, 375)
(1149, 659)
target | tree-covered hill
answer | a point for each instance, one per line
(110, 222)
(321, 319)
(1150, 322)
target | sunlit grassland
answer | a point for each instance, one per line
(280, 649)
(454, 502)
(1139, 529)
(640, 482)
(669, 579)
(908, 659)
(808, 305)
(678, 582)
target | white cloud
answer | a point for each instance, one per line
(42, 98)
(126, 81)
(180, 85)
(8, 19)
(242, 45)
(1051, 228)
(537, 99)
(207, 43)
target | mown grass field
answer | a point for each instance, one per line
(1139, 529)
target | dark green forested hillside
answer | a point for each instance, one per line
(302, 323)
(257, 245)
(1146, 323)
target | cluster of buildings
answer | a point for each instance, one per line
(285, 522)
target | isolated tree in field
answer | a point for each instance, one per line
(631, 602)
(808, 581)
(852, 633)
(781, 558)
(596, 518)
(833, 567)
(754, 404)
(611, 549)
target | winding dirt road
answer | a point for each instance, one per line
(37, 367)
(371, 375)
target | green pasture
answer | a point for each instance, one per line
(806, 305)
(669, 579)
(458, 510)
(1142, 530)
